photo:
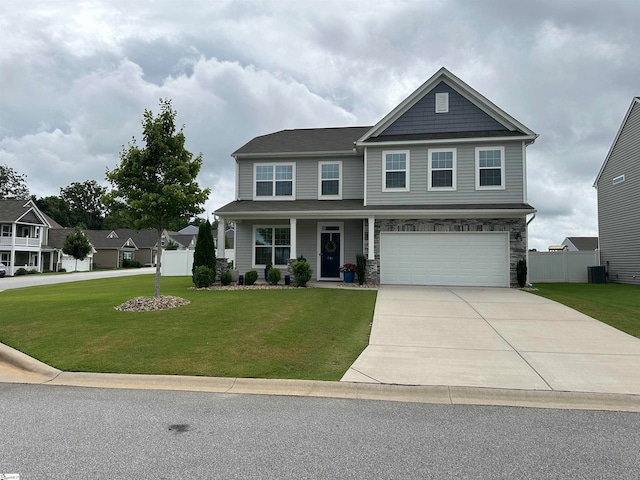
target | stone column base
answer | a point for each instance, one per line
(373, 272)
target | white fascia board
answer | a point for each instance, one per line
(636, 100)
(383, 213)
(531, 138)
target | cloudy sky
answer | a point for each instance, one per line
(75, 78)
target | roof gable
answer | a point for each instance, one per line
(635, 104)
(463, 100)
(24, 211)
(583, 243)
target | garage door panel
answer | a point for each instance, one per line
(467, 259)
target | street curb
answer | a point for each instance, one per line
(444, 395)
(24, 362)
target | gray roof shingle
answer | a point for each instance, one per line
(305, 140)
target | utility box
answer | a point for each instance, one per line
(596, 274)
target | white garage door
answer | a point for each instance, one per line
(464, 259)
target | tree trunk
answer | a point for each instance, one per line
(158, 261)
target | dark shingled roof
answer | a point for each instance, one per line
(307, 140)
(57, 236)
(584, 243)
(12, 210)
(249, 206)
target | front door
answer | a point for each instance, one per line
(330, 255)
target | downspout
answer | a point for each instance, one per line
(527, 245)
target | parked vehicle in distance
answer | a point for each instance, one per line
(3, 270)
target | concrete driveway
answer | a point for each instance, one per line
(496, 338)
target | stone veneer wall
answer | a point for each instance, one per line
(514, 226)
(222, 265)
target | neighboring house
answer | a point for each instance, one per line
(24, 236)
(114, 246)
(618, 185)
(57, 238)
(581, 244)
(189, 230)
(433, 194)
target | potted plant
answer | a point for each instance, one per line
(235, 273)
(267, 267)
(349, 272)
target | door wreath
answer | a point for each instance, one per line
(330, 246)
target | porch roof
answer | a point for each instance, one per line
(356, 209)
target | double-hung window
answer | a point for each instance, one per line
(442, 169)
(271, 245)
(330, 180)
(490, 168)
(395, 171)
(274, 181)
(6, 230)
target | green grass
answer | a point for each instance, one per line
(312, 333)
(615, 304)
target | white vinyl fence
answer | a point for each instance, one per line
(71, 265)
(178, 263)
(565, 266)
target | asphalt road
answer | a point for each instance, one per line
(69, 433)
(7, 283)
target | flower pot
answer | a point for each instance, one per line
(349, 277)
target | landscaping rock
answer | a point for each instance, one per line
(151, 304)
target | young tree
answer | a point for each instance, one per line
(156, 184)
(204, 253)
(12, 184)
(76, 245)
(85, 203)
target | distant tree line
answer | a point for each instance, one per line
(80, 204)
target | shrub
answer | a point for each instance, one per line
(225, 278)
(20, 271)
(32, 271)
(250, 277)
(126, 263)
(274, 276)
(521, 272)
(301, 273)
(203, 276)
(361, 268)
(62, 269)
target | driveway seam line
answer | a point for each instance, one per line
(505, 340)
(368, 376)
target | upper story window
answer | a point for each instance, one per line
(395, 171)
(330, 180)
(6, 230)
(442, 169)
(490, 168)
(274, 181)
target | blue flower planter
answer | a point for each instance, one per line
(349, 277)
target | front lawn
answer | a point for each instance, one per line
(313, 333)
(615, 304)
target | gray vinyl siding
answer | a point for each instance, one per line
(307, 176)
(465, 192)
(307, 242)
(619, 205)
(463, 116)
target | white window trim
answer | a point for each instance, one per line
(407, 170)
(618, 180)
(274, 196)
(503, 162)
(320, 179)
(454, 170)
(273, 251)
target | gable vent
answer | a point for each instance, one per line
(618, 180)
(442, 102)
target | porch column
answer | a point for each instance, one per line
(220, 253)
(293, 251)
(371, 223)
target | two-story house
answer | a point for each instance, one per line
(618, 184)
(433, 194)
(24, 235)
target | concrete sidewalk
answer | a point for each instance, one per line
(493, 337)
(8, 283)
